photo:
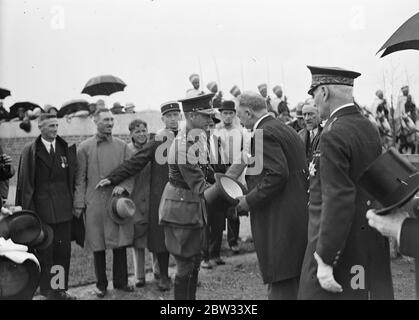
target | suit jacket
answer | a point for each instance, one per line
(278, 202)
(310, 145)
(46, 197)
(338, 229)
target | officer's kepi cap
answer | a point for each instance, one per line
(201, 104)
(169, 106)
(330, 75)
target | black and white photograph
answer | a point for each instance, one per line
(214, 150)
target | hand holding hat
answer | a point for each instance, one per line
(325, 276)
(389, 225)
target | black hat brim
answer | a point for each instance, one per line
(413, 187)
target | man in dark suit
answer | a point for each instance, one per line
(46, 185)
(277, 197)
(345, 258)
(311, 133)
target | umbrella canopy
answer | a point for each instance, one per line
(103, 85)
(406, 37)
(72, 106)
(4, 93)
(26, 105)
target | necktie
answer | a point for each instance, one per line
(311, 136)
(51, 151)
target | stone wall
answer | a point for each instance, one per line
(74, 130)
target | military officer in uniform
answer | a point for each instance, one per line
(182, 209)
(345, 258)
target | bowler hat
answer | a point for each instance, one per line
(390, 179)
(227, 105)
(223, 193)
(18, 281)
(122, 209)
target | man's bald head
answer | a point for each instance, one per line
(253, 101)
(252, 106)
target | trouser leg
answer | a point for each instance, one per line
(62, 249)
(163, 263)
(138, 255)
(120, 268)
(99, 259)
(233, 227)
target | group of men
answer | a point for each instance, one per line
(307, 208)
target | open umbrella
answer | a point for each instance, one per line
(4, 93)
(72, 106)
(406, 37)
(103, 85)
(26, 105)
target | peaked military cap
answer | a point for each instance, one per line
(326, 75)
(169, 106)
(201, 104)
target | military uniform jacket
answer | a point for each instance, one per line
(182, 201)
(338, 229)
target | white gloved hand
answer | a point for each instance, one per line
(325, 276)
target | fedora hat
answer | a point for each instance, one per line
(391, 180)
(223, 193)
(18, 281)
(122, 209)
(22, 227)
(45, 238)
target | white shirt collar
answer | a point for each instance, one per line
(341, 107)
(47, 144)
(260, 119)
(315, 130)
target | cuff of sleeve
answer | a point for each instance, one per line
(328, 257)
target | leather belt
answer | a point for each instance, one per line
(179, 184)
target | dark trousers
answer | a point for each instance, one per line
(233, 227)
(213, 234)
(57, 254)
(119, 269)
(211, 243)
(283, 290)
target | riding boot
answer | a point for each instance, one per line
(181, 287)
(192, 284)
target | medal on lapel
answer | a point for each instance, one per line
(64, 162)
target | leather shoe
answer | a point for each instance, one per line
(100, 293)
(140, 283)
(164, 284)
(218, 261)
(127, 288)
(63, 295)
(206, 264)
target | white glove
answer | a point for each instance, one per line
(325, 276)
(389, 225)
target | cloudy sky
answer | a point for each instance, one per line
(49, 49)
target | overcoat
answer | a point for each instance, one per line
(278, 202)
(338, 229)
(97, 157)
(47, 204)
